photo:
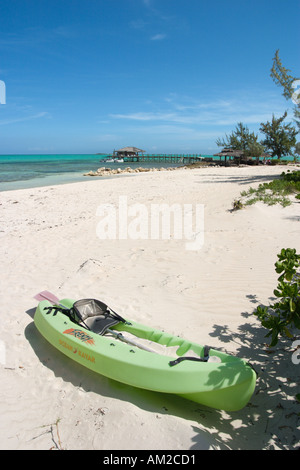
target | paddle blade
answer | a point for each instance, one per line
(46, 295)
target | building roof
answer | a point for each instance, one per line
(130, 149)
(229, 153)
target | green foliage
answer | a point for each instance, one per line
(279, 138)
(291, 176)
(255, 149)
(276, 161)
(283, 78)
(240, 139)
(284, 314)
(276, 191)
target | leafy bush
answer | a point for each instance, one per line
(275, 191)
(293, 176)
(284, 314)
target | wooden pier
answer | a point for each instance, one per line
(165, 158)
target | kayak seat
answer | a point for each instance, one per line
(99, 323)
(95, 315)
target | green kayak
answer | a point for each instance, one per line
(226, 383)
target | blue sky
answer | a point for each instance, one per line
(162, 75)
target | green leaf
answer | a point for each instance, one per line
(274, 338)
(296, 320)
(284, 312)
(288, 333)
(279, 267)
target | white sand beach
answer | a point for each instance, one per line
(49, 241)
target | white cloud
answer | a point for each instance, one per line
(106, 137)
(144, 116)
(158, 37)
(138, 24)
(23, 119)
(219, 112)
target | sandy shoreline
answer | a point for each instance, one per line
(49, 241)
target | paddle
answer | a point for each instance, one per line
(46, 295)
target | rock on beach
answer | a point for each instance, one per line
(109, 171)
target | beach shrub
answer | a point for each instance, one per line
(291, 176)
(275, 161)
(284, 315)
(276, 191)
(237, 205)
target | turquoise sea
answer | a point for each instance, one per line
(29, 171)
